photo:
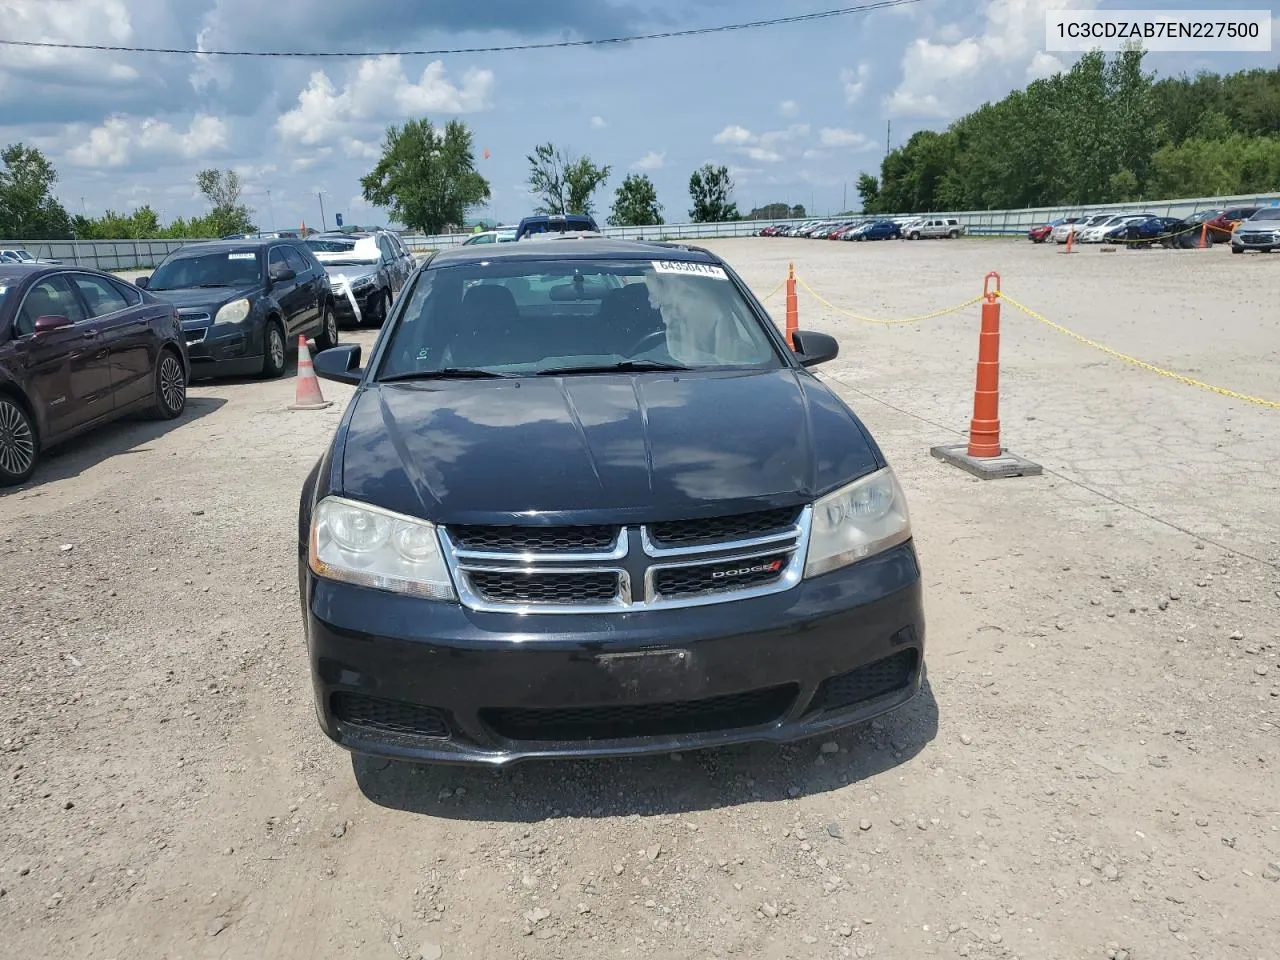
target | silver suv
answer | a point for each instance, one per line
(933, 227)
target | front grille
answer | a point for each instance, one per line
(519, 586)
(743, 526)
(752, 709)
(866, 683)
(714, 577)
(390, 716)
(585, 539)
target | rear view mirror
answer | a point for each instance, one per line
(813, 348)
(48, 324)
(577, 291)
(142, 282)
(340, 363)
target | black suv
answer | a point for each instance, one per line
(586, 502)
(555, 223)
(243, 303)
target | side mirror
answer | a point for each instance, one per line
(283, 274)
(47, 324)
(142, 282)
(813, 348)
(340, 363)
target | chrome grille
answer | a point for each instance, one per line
(603, 568)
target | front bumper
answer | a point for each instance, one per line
(1261, 240)
(426, 681)
(343, 310)
(223, 350)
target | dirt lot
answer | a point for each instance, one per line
(1092, 771)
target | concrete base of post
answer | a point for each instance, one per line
(986, 468)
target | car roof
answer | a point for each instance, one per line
(584, 248)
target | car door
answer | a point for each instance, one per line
(390, 263)
(308, 280)
(125, 325)
(290, 296)
(69, 367)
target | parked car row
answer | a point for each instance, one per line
(870, 228)
(1147, 229)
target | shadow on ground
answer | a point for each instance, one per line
(119, 438)
(699, 780)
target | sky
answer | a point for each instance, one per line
(796, 111)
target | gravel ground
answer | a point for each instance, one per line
(1091, 771)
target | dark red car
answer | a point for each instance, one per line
(79, 348)
(1041, 233)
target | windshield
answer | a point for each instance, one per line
(341, 250)
(1267, 213)
(529, 316)
(225, 268)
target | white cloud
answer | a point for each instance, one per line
(788, 108)
(378, 92)
(87, 21)
(837, 137)
(854, 82)
(761, 147)
(599, 123)
(120, 139)
(361, 149)
(942, 77)
(813, 154)
(651, 161)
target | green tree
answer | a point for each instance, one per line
(635, 203)
(710, 187)
(28, 208)
(427, 178)
(869, 192)
(562, 182)
(227, 214)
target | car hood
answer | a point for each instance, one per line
(1260, 226)
(204, 298)
(600, 448)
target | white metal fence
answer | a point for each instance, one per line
(977, 222)
(143, 254)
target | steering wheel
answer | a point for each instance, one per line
(642, 345)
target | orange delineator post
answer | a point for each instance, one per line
(984, 428)
(793, 306)
(1071, 236)
(1204, 230)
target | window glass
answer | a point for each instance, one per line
(51, 297)
(131, 295)
(295, 261)
(223, 268)
(525, 316)
(100, 295)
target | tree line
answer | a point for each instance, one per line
(29, 210)
(1104, 131)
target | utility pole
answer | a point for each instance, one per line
(888, 132)
(271, 211)
(323, 222)
(844, 197)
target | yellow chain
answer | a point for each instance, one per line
(1172, 375)
(855, 316)
(774, 292)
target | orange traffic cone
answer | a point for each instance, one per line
(308, 395)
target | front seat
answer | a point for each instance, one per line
(486, 326)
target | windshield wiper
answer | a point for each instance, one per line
(446, 373)
(207, 286)
(623, 366)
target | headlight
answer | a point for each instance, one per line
(361, 544)
(857, 521)
(233, 312)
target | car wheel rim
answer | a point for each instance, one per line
(277, 349)
(173, 387)
(17, 442)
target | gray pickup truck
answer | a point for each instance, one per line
(932, 227)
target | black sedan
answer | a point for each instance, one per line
(79, 348)
(586, 502)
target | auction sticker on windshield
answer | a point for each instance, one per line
(242, 256)
(690, 269)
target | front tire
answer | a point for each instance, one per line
(376, 313)
(170, 385)
(1237, 250)
(273, 352)
(19, 445)
(328, 336)
(913, 236)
